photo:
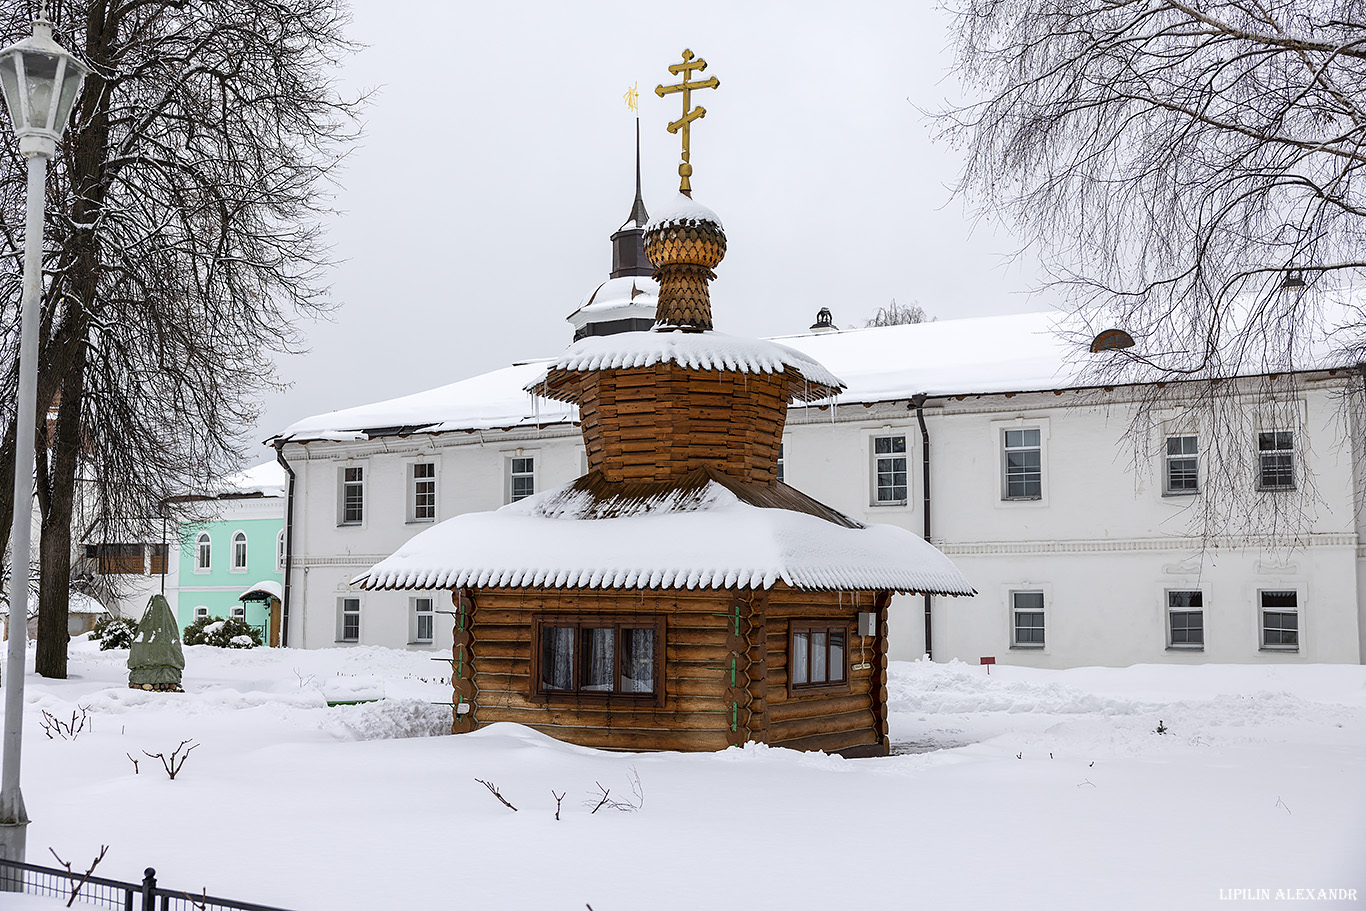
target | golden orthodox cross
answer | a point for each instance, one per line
(687, 67)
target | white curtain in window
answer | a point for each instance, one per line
(638, 660)
(801, 651)
(557, 657)
(599, 660)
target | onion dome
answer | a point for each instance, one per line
(685, 242)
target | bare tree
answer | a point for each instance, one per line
(1185, 169)
(895, 314)
(1175, 162)
(183, 240)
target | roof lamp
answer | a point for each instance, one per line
(40, 81)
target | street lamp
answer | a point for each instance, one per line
(40, 81)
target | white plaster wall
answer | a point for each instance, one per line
(1103, 542)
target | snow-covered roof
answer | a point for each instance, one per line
(694, 350)
(267, 479)
(715, 540)
(628, 297)
(268, 587)
(683, 210)
(495, 399)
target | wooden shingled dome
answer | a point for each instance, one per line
(684, 251)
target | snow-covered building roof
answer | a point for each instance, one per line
(266, 479)
(717, 537)
(267, 587)
(630, 297)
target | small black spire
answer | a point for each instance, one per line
(628, 243)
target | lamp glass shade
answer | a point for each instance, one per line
(40, 81)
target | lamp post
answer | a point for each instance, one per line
(40, 81)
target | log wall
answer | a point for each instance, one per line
(725, 671)
(658, 423)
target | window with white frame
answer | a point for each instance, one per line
(348, 619)
(889, 470)
(201, 613)
(521, 477)
(781, 473)
(1022, 463)
(239, 612)
(1280, 620)
(239, 552)
(1182, 474)
(280, 551)
(1186, 620)
(351, 496)
(203, 553)
(424, 621)
(1027, 619)
(1275, 460)
(422, 492)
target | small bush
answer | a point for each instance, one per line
(216, 631)
(114, 632)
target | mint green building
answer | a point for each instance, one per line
(233, 564)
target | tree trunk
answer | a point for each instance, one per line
(54, 592)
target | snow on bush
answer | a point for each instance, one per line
(114, 632)
(222, 633)
(390, 719)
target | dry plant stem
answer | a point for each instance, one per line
(558, 799)
(494, 791)
(67, 730)
(176, 761)
(133, 761)
(202, 902)
(76, 889)
(605, 792)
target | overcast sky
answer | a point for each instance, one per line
(499, 156)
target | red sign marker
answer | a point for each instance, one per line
(988, 662)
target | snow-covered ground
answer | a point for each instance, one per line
(1022, 789)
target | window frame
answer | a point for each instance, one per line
(238, 612)
(1296, 610)
(779, 468)
(618, 622)
(343, 483)
(238, 536)
(1006, 449)
(1168, 490)
(1016, 609)
(413, 481)
(280, 551)
(1169, 609)
(417, 616)
(1288, 453)
(342, 613)
(200, 613)
(509, 482)
(827, 626)
(875, 472)
(203, 553)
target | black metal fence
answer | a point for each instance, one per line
(111, 893)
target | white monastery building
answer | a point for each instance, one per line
(979, 434)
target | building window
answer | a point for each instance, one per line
(119, 559)
(1183, 465)
(1026, 610)
(521, 478)
(280, 551)
(424, 621)
(1276, 460)
(239, 612)
(422, 492)
(601, 657)
(201, 613)
(1023, 464)
(889, 470)
(203, 553)
(158, 565)
(348, 620)
(1280, 620)
(239, 552)
(351, 497)
(782, 479)
(817, 656)
(1186, 620)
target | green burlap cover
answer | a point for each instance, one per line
(156, 655)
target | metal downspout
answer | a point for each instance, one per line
(289, 541)
(918, 403)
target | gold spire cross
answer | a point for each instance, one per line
(687, 67)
